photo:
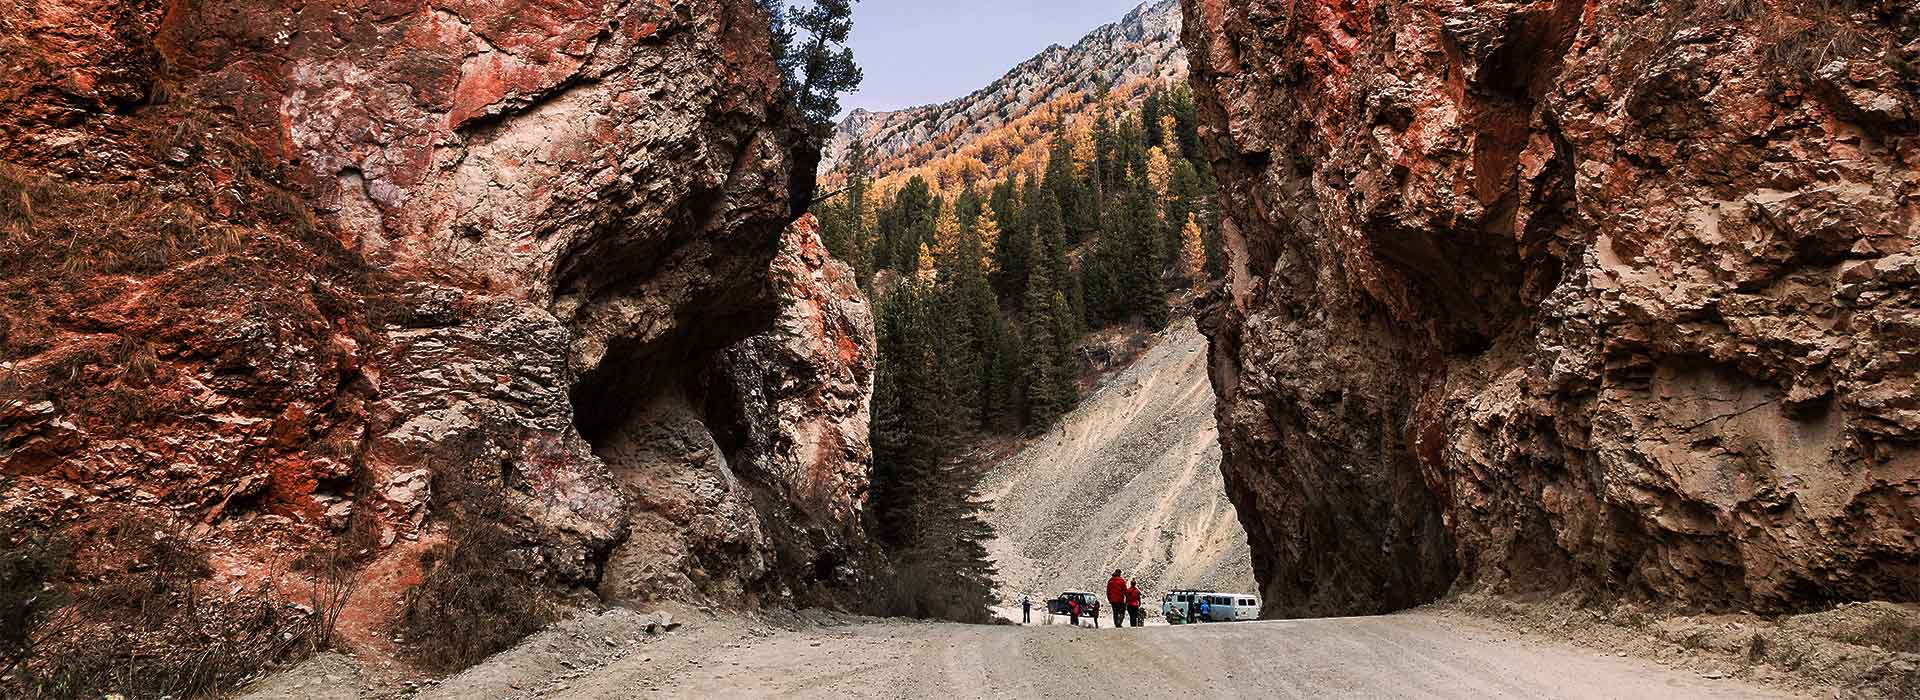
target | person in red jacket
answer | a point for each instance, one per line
(1117, 596)
(1134, 615)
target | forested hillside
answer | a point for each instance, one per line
(985, 286)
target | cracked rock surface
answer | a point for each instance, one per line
(287, 274)
(1612, 296)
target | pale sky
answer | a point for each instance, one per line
(919, 52)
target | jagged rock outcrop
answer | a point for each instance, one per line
(1615, 297)
(752, 474)
(1143, 45)
(286, 274)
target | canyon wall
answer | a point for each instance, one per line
(281, 276)
(1614, 297)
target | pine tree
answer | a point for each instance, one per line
(1184, 197)
(1145, 293)
(1186, 116)
(1044, 402)
(862, 213)
(1049, 237)
(1051, 324)
(973, 315)
(1106, 153)
(1132, 151)
(923, 268)
(1150, 118)
(924, 507)
(909, 224)
(836, 228)
(1016, 236)
(822, 68)
(909, 434)
(865, 240)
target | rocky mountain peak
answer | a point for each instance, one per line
(1142, 46)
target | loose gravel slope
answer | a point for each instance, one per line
(1128, 480)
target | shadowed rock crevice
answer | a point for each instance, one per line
(740, 445)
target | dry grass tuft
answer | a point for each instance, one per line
(471, 604)
(131, 621)
(1890, 632)
(70, 232)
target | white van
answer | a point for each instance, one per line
(1232, 607)
(1179, 604)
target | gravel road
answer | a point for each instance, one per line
(1425, 654)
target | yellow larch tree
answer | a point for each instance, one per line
(1170, 135)
(1083, 149)
(987, 228)
(1193, 252)
(925, 268)
(870, 216)
(1159, 173)
(946, 233)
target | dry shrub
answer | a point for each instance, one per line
(18, 191)
(472, 602)
(1890, 632)
(335, 576)
(30, 606)
(923, 588)
(65, 231)
(335, 573)
(13, 393)
(133, 622)
(1825, 31)
(1738, 10)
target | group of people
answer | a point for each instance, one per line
(1124, 595)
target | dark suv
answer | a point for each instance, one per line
(1058, 606)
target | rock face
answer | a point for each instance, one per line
(750, 476)
(284, 274)
(1143, 45)
(1612, 297)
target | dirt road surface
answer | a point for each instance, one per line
(1417, 654)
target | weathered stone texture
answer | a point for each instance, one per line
(751, 471)
(1609, 296)
(291, 270)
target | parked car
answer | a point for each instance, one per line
(1058, 606)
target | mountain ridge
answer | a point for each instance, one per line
(1142, 47)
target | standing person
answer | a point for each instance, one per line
(1117, 596)
(1206, 609)
(1026, 610)
(1133, 602)
(1096, 614)
(1073, 610)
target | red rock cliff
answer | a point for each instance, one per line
(281, 274)
(1606, 296)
